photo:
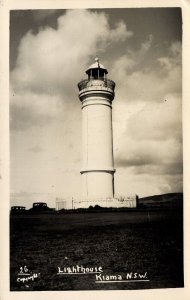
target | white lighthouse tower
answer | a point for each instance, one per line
(96, 94)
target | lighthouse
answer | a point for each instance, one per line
(96, 94)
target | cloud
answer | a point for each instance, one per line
(131, 60)
(42, 14)
(150, 81)
(120, 32)
(142, 153)
(49, 64)
(45, 110)
(173, 59)
(148, 117)
(151, 140)
(158, 121)
(51, 59)
(30, 109)
(146, 184)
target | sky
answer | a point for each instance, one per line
(50, 51)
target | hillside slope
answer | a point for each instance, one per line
(164, 200)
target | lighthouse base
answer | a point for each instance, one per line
(127, 201)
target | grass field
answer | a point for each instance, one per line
(120, 242)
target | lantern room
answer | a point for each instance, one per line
(96, 71)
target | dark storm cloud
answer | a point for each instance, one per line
(164, 169)
(150, 164)
(135, 161)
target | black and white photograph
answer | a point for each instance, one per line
(96, 149)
